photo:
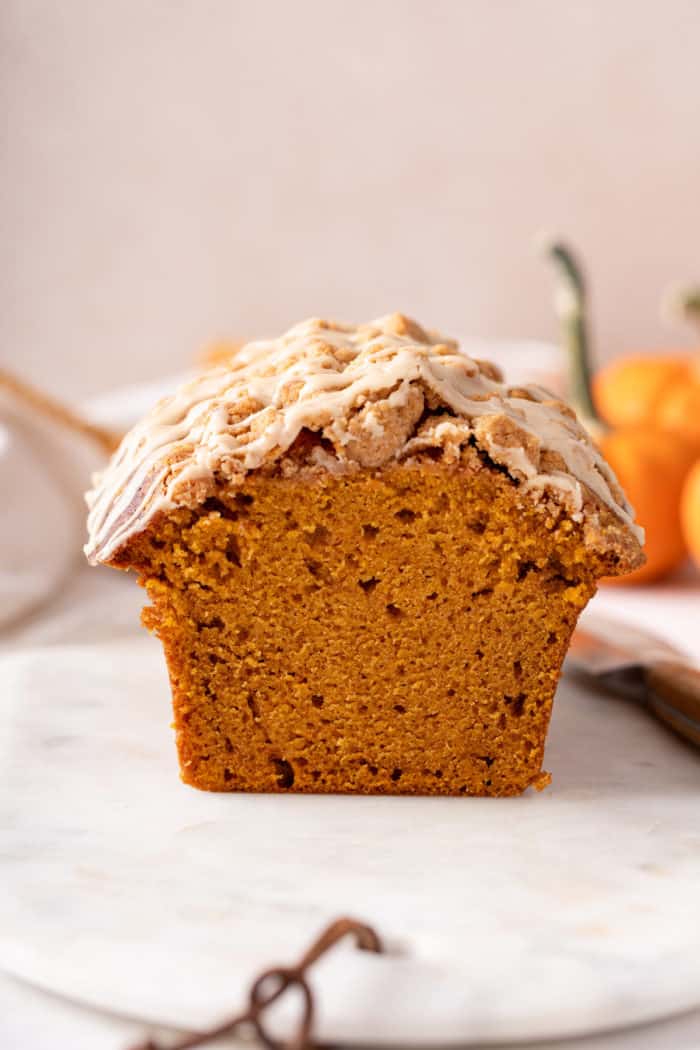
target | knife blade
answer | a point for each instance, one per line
(633, 663)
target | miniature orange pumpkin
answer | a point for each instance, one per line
(690, 512)
(631, 389)
(663, 390)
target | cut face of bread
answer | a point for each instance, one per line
(396, 632)
(377, 600)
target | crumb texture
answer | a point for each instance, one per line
(396, 630)
(352, 398)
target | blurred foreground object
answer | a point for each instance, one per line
(643, 413)
(273, 983)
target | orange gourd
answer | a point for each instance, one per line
(645, 415)
(690, 512)
(652, 389)
(630, 389)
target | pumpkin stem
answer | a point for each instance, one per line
(683, 304)
(570, 306)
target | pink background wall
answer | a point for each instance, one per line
(176, 170)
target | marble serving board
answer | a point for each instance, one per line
(554, 914)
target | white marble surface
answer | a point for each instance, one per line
(581, 902)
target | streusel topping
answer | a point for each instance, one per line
(369, 395)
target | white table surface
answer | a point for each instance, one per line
(31, 1019)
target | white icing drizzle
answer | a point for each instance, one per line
(362, 388)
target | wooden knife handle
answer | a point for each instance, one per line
(673, 694)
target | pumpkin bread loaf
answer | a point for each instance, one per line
(365, 555)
